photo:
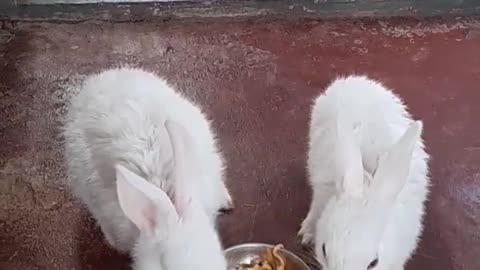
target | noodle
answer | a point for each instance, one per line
(271, 260)
(281, 260)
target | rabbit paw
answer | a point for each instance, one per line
(307, 232)
(109, 238)
(114, 242)
(227, 204)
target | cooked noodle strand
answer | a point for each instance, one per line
(271, 260)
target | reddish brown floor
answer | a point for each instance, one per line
(256, 79)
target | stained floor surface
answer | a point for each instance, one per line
(256, 79)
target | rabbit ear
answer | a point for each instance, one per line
(349, 157)
(394, 166)
(181, 141)
(146, 205)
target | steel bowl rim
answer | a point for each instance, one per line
(256, 244)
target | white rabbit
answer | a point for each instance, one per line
(368, 171)
(118, 118)
(170, 238)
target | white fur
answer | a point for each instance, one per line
(172, 237)
(369, 176)
(118, 119)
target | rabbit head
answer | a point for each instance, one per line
(350, 232)
(176, 235)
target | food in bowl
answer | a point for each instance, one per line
(271, 260)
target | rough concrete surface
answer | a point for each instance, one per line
(256, 79)
(144, 10)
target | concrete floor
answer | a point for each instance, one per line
(256, 79)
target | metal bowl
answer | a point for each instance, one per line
(252, 252)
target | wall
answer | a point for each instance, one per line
(43, 2)
(141, 10)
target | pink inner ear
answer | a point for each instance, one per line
(149, 223)
(142, 202)
(182, 205)
(135, 204)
